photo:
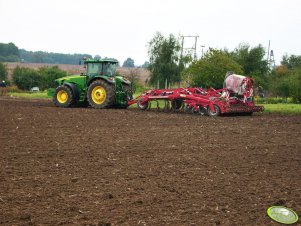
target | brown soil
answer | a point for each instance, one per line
(84, 166)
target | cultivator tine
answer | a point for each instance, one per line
(166, 105)
(182, 109)
(149, 106)
(158, 105)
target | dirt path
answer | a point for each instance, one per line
(83, 166)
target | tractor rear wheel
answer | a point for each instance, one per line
(63, 97)
(101, 94)
(214, 114)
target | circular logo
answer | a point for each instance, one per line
(282, 214)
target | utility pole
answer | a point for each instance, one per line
(182, 46)
(196, 39)
(268, 57)
(203, 50)
(272, 60)
(195, 43)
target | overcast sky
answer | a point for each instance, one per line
(122, 28)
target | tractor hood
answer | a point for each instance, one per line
(76, 79)
(71, 77)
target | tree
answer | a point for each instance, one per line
(252, 61)
(210, 71)
(286, 82)
(38, 57)
(295, 85)
(97, 57)
(52, 58)
(164, 59)
(291, 62)
(9, 53)
(129, 62)
(3, 72)
(145, 65)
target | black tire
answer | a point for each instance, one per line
(176, 104)
(109, 96)
(187, 109)
(202, 111)
(193, 111)
(63, 97)
(214, 114)
(141, 106)
(246, 113)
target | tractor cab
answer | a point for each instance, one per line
(102, 67)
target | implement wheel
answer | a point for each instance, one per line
(214, 114)
(63, 97)
(141, 106)
(176, 104)
(101, 94)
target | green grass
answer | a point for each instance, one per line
(282, 108)
(32, 95)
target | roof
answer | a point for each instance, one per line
(105, 60)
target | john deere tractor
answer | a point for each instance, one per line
(99, 87)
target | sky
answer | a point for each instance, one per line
(123, 28)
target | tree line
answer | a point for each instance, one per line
(11, 53)
(169, 65)
(130, 63)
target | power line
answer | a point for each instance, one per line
(192, 48)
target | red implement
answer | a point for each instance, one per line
(235, 97)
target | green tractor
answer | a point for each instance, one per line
(99, 87)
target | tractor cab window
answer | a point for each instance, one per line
(109, 69)
(93, 69)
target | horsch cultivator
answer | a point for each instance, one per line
(236, 97)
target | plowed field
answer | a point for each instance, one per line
(83, 166)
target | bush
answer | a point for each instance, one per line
(26, 78)
(3, 72)
(295, 87)
(13, 89)
(273, 100)
(48, 75)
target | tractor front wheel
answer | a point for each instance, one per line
(101, 94)
(63, 97)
